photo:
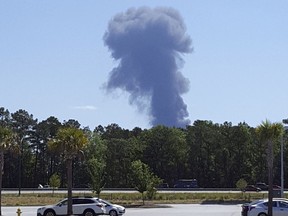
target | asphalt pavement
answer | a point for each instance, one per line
(167, 210)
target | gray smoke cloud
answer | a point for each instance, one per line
(148, 44)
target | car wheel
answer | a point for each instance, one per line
(89, 212)
(49, 213)
(262, 214)
(113, 213)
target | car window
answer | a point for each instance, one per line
(283, 204)
(82, 201)
(76, 201)
(274, 204)
(87, 201)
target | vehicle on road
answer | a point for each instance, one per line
(251, 188)
(264, 186)
(276, 187)
(84, 206)
(260, 207)
(112, 209)
(40, 186)
(163, 185)
(261, 185)
(186, 183)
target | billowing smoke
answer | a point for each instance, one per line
(147, 44)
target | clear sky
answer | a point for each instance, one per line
(53, 61)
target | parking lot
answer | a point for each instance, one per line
(167, 210)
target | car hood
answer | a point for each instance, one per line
(246, 204)
(45, 207)
(118, 206)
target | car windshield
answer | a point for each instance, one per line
(105, 202)
(63, 202)
(256, 202)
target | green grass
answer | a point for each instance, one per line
(134, 199)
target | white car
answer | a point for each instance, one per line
(84, 206)
(112, 209)
(260, 207)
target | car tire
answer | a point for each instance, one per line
(262, 214)
(49, 213)
(89, 212)
(113, 213)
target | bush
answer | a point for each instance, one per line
(241, 184)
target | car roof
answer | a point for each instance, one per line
(76, 197)
(276, 199)
(266, 200)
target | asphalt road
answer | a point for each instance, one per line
(168, 210)
(23, 191)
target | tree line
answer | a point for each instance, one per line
(217, 155)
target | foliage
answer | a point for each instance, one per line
(119, 156)
(268, 130)
(96, 170)
(165, 152)
(241, 184)
(151, 188)
(269, 134)
(70, 142)
(215, 154)
(6, 142)
(54, 182)
(143, 179)
(83, 171)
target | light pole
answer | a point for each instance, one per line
(20, 166)
(282, 168)
(285, 121)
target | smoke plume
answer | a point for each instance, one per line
(148, 44)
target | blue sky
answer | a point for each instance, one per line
(53, 61)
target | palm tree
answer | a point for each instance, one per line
(6, 142)
(269, 134)
(69, 142)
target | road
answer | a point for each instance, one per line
(170, 190)
(169, 210)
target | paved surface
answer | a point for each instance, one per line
(175, 210)
(170, 190)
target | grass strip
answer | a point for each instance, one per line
(134, 199)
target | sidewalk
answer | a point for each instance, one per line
(26, 210)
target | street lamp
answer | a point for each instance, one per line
(285, 121)
(282, 168)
